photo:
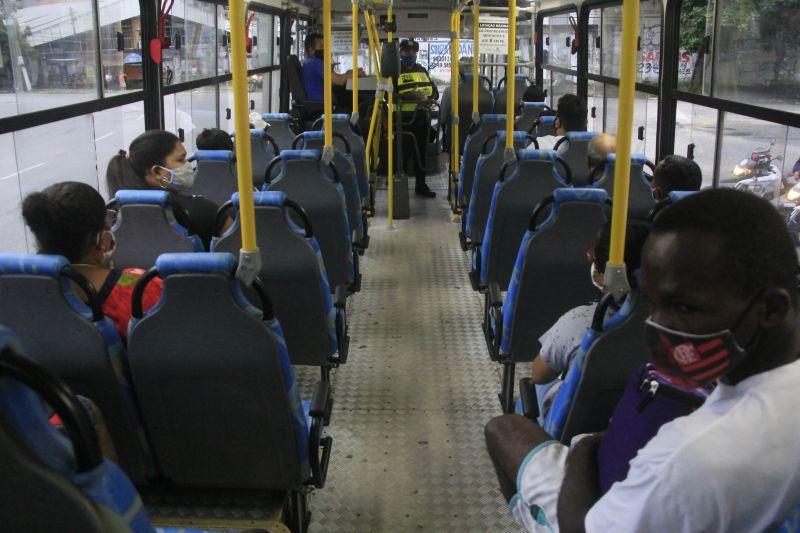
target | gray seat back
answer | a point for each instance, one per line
(214, 177)
(147, 226)
(577, 148)
(640, 194)
(293, 274)
(262, 149)
(280, 129)
(536, 176)
(520, 84)
(490, 125)
(342, 126)
(607, 366)
(550, 275)
(346, 170)
(306, 182)
(209, 376)
(485, 105)
(531, 111)
(487, 171)
(76, 343)
(545, 125)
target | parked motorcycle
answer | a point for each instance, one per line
(759, 175)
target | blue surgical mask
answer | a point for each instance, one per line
(408, 61)
(181, 178)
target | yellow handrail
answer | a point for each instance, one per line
(627, 81)
(390, 142)
(326, 34)
(249, 263)
(510, 71)
(454, 92)
(476, 7)
(378, 97)
(453, 104)
(355, 56)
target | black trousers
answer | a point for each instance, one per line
(419, 129)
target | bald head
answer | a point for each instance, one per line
(599, 148)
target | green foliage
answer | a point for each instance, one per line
(693, 24)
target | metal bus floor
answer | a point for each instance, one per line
(417, 390)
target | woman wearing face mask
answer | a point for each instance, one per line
(561, 342)
(70, 219)
(157, 160)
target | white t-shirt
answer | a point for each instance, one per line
(732, 465)
(547, 142)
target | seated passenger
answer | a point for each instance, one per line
(214, 139)
(445, 107)
(534, 93)
(156, 159)
(561, 342)
(70, 219)
(313, 70)
(599, 147)
(728, 313)
(570, 116)
(676, 173)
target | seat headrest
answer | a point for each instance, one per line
(547, 119)
(288, 155)
(518, 135)
(128, 197)
(521, 76)
(211, 155)
(339, 117)
(534, 104)
(636, 159)
(263, 198)
(196, 262)
(317, 134)
(41, 265)
(579, 194)
(275, 116)
(493, 118)
(676, 196)
(543, 155)
(257, 133)
(580, 135)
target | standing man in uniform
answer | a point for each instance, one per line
(415, 89)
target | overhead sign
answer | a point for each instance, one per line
(342, 42)
(493, 35)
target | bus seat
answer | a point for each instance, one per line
(305, 180)
(673, 197)
(610, 351)
(489, 125)
(545, 125)
(514, 197)
(640, 193)
(549, 279)
(53, 482)
(280, 129)
(293, 272)
(487, 171)
(342, 126)
(307, 111)
(262, 149)
(215, 175)
(485, 105)
(520, 84)
(575, 154)
(148, 225)
(531, 111)
(79, 344)
(346, 168)
(245, 426)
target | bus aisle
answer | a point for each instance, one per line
(411, 403)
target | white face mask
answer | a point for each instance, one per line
(181, 178)
(595, 274)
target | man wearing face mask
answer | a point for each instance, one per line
(313, 70)
(720, 271)
(416, 92)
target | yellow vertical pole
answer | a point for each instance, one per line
(390, 142)
(453, 107)
(355, 56)
(627, 84)
(454, 91)
(250, 260)
(510, 71)
(378, 95)
(326, 34)
(475, 51)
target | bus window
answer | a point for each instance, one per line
(695, 132)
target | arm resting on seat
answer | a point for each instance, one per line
(319, 462)
(527, 393)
